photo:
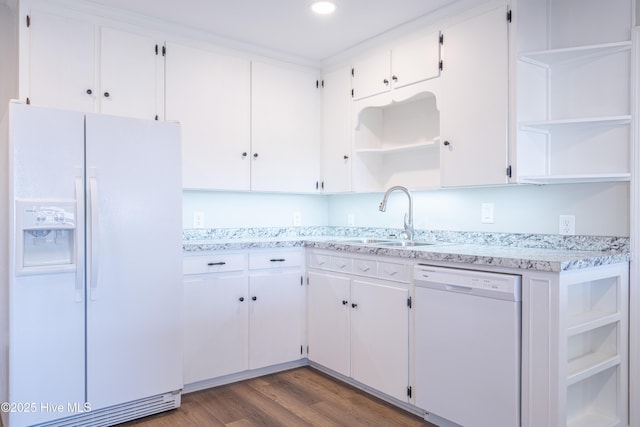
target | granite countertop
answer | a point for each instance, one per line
(504, 251)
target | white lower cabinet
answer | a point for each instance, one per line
(358, 324)
(243, 310)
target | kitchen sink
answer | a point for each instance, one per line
(405, 243)
(372, 241)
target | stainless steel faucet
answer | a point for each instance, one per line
(409, 232)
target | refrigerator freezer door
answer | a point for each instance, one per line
(46, 311)
(134, 227)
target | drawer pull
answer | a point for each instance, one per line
(254, 298)
(211, 264)
(241, 299)
(277, 260)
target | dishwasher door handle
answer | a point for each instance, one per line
(458, 288)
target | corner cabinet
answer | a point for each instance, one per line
(574, 90)
(575, 347)
(285, 128)
(347, 333)
(244, 311)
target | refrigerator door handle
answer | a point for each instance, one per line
(79, 287)
(93, 236)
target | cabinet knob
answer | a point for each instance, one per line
(446, 143)
(106, 94)
(354, 305)
(386, 82)
(89, 92)
(345, 157)
(345, 302)
(394, 78)
(255, 155)
(244, 154)
(254, 298)
(241, 299)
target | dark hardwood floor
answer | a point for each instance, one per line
(299, 397)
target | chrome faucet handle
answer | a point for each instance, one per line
(408, 227)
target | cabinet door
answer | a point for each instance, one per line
(276, 318)
(209, 94)
(475, 101)
(60, 69)
(129, 65)
(371, 74)
(336, 131)
(215, 326)
(285, 128)
(328, 308)
(416, 59)
(380, 337)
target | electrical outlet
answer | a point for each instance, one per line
(567, 225)
(351, 220)
(198, 220)
(486, 215)
(297, 218)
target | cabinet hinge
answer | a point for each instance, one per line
(409, 302)
(322, 83)
(509, 171)
(307, 349)
(28, 101)
(307, 280)
(409, 391)
(352, 95)
(164, 51)
(301, 280)
(509, 16)
(441, 38)
(317, 84)
(28, 21)
(156, 117)
(441, 65)
(301, 350)
(156, 49)
(353, 72)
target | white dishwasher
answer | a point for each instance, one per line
(467, 346)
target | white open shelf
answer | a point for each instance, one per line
(547, 125)
(400, 148)
(590, 364)
(590, 320)
(557, 56)
(593, 419)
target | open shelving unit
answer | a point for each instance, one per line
(396, 142)
(574, 86)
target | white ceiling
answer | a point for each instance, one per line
(286, 26)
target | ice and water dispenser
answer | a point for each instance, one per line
(46, 236)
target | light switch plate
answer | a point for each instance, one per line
(486, 216)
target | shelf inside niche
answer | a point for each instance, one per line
(558, 56)
(593, 419)
(401, 148)
(591, 320)
(548, 125)
(571, 179)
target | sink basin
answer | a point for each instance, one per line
(372, 241)
(405, 243)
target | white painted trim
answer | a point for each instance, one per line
(634, 234)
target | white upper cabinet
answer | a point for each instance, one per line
(130, 74)
(73, 63)
(475, 101)
(336, 131)
(285, 128)
(574, 89)
(412, 59)
(57, 64)
(209, 94)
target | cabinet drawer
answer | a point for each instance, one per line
(214, 263)
(341, 263)
(364, 267)
(320, 261)
(392, 271)
(277, 259)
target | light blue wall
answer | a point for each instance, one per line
(600, 209)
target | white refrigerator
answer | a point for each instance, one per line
(92, 286)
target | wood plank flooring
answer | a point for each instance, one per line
(299, 397)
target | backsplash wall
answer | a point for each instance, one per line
(600, 209)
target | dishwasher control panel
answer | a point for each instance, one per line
(481, 283)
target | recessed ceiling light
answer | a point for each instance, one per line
(323, 7)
